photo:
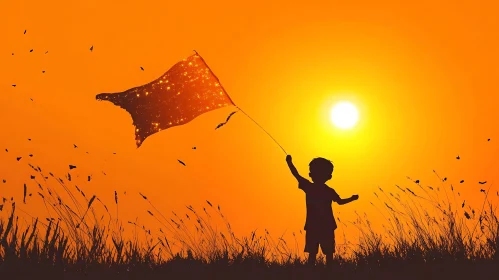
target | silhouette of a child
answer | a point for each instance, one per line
(320, 223)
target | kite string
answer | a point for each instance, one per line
(262, 129)
(233, 101)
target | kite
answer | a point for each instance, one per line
(187, 90)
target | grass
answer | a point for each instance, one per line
(428, 232)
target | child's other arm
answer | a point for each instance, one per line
(292, 167)
(342, 201)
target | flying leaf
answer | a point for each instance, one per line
(24, 198)
(223, 123)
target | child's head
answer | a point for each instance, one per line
(321, 170)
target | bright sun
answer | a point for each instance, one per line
(344, 115)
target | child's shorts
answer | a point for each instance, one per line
(313, 240)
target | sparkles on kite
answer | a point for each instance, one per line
(188, 89)
(185, 91)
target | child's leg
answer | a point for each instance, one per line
(329, 259)
(311, 247)
(328, 248)
(311, 258)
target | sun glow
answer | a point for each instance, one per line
(344, 115)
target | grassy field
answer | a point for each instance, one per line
(429, 233)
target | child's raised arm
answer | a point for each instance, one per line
(292, 167)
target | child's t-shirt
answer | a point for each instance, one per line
(319, 198)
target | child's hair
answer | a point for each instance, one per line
(321, 166)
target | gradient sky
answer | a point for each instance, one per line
(424, 77)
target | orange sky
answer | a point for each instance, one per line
(423, 76)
